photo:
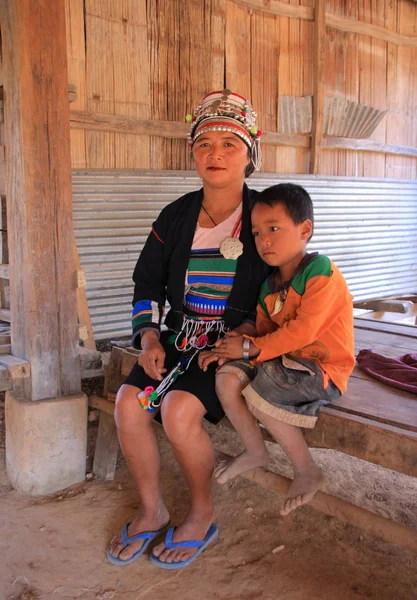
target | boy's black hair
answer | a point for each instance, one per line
(294, 198)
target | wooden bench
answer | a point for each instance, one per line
(371, 421)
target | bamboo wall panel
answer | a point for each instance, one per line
(155, 60)
(76, 75)
(402, 92)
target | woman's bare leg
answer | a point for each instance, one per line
(228, 389)
(182, 415)
(140, 448)
(307, 476)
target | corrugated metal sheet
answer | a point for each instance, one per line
(342, 118)
(367, 226)
(295, 114)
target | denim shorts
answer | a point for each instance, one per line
(288, 388)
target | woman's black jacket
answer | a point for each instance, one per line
(159, 275)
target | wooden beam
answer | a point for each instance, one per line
(294, 140)
(371, 523)
(38, 191)
(123, 124)
(169, 129)
(274, 7)
(331, 143)
(382, 444)
(4, 271)
(5, 315)
(107, 448)
(380, 33)
(318, 81)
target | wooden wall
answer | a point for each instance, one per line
(156, 59)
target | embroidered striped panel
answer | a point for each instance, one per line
(210, 279)
(145, 311)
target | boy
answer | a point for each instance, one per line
(302, 353)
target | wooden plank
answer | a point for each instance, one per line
(76, 41)
(165, 129)
(5, 315)
(131, 89)
(100, 80)
(401, 330)
(379, 443)
(399, 306)
(380, 33)
(275, 7)
(113, 371)
(238, 47)
(6, 382)
(319, 86)
(102, 404)
(38, 188)
(373, 524)
(367, 397)
(5, 271)
(264, 56)
(330, 143)
(17, 367)
(107, 448)
(129, 359)
(158, 59)
(84, 318)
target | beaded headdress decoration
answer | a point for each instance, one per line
(227, 111)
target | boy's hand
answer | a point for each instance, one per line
(205, 358)
(230, 347)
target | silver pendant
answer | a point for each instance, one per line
(231, 247)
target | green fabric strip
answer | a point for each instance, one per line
(320, 265)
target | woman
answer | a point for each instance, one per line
(200, 257)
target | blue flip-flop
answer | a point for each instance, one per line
(147, 536)
(200, 544)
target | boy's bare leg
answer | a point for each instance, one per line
(307, 476)
(228, 389)
(134, 424)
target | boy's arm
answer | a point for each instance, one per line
(320, 306)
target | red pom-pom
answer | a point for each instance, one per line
(259, 133)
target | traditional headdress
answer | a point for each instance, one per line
(227, 111)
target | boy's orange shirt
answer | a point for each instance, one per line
(314, 322)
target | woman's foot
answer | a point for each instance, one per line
(302, 489)
(192, 529)
(227, 469)
(145, 522)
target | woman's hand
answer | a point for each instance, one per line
(152, 357)
(205, 358)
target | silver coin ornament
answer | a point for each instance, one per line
(231, 247)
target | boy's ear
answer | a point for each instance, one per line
(306, 229)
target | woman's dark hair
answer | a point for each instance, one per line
(294, 198)
(250, 168)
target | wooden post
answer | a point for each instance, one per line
(38, 193)
(319, 95)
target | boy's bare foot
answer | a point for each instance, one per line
(302, 489)
(227, 469)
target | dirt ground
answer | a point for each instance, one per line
(54, 546)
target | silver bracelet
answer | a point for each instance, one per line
(246, 347)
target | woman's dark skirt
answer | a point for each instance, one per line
(195, 381)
